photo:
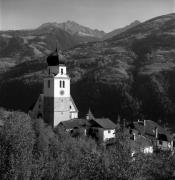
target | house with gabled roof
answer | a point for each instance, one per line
(100, 129)
(154, 137)
(103, 129)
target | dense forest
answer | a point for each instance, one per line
(30, 149)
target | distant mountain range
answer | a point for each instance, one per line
(131, 73)
(24, 45)
(75, 29)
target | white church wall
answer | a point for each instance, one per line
(38, 107)
(61, 91)
(62, 70)
(60, 116)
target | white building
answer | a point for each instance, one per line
(102, 129)
(55, 104)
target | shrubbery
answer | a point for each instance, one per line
(30, 149)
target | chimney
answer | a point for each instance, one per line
(156, 132)
(144, 122)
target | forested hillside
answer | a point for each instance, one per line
(131, 74)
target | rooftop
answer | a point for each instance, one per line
(147, 128)
(104, 123)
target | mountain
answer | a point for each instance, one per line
(131, 74)
(120, 30)
(75, 29)
(24, 45)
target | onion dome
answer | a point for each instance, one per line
(55, 58)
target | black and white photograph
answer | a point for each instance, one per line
(87, 89)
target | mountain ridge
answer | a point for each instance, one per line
(24, 45)
(131, 74)
(74, 28)
(120, 30)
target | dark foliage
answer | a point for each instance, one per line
(32, 150)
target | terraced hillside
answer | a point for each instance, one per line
(131, 74)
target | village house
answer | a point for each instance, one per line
(148, 136)
(100, 129)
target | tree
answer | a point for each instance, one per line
(16, 145)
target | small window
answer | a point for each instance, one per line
(70, 107)
(109, 131)
(61, 71)
(63, 84)
(60, 84)
(48, 84)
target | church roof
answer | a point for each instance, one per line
(90, 115)
(41, 96)
(55, 58)
(71, 99)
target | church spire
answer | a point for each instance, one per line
(56, 58)
(89, 115)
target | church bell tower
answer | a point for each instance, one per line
(56, 90)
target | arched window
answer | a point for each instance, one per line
(61, 71)
(60, 84)
(63, 84)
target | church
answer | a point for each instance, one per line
(55, 104)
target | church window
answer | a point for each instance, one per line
(63, 84)
(48, 84)
(61, 71)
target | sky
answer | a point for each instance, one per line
(104, 15)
